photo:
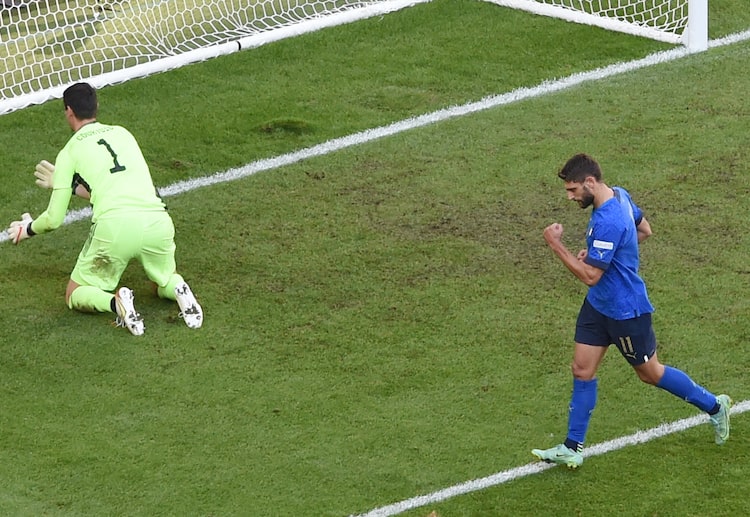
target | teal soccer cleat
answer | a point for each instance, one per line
(720, 420)
(560, 455)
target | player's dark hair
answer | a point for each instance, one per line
(580, 167)
(81, 98)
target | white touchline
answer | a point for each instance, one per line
(535, 468)
(546, 87)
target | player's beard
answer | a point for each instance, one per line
(587, 199)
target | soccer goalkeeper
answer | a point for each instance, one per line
(104, 163)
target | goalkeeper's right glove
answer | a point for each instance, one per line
(20, 230)
(44, 173)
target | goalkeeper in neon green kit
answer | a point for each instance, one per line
(104, 164)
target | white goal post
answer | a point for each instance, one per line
(46, 45)
(683, 22)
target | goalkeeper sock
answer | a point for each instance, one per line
(167, 291)
(90, 299)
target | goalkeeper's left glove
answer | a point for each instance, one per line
(44, 173)
(20, 230)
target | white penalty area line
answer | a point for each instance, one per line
(337, 144)
(499, 478)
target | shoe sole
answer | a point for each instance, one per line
(728, 401)
(194, 318)
(136, 328)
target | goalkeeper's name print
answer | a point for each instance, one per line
(96, 132)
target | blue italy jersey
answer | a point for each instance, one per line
(612, 241)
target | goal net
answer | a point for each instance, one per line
(682, 22)
(45, 45)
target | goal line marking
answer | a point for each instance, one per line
(337, 144)
(505, 476)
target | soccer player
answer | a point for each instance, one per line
(616, 309)
(104, 163)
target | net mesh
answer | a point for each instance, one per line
(665, 15)
(48, 43)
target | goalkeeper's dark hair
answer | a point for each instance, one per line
(580, 167)
(81, 98)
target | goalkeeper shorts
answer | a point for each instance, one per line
(114, 241)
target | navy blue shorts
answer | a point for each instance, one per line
(634, 337)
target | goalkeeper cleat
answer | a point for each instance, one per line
(126, 314)
(190, 310)
(720, 420)
(560, 455)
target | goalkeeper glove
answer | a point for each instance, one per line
(20, 230)
(44, 172)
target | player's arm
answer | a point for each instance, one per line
(54, 216)
(82, 192)
(49, 220)
(45, 175)
(81, 188)
(644, 230)
(62, 190)
(585, 272)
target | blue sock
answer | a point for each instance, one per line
(582, 403)
(679, 384)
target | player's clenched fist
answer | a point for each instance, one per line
(553, 233)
